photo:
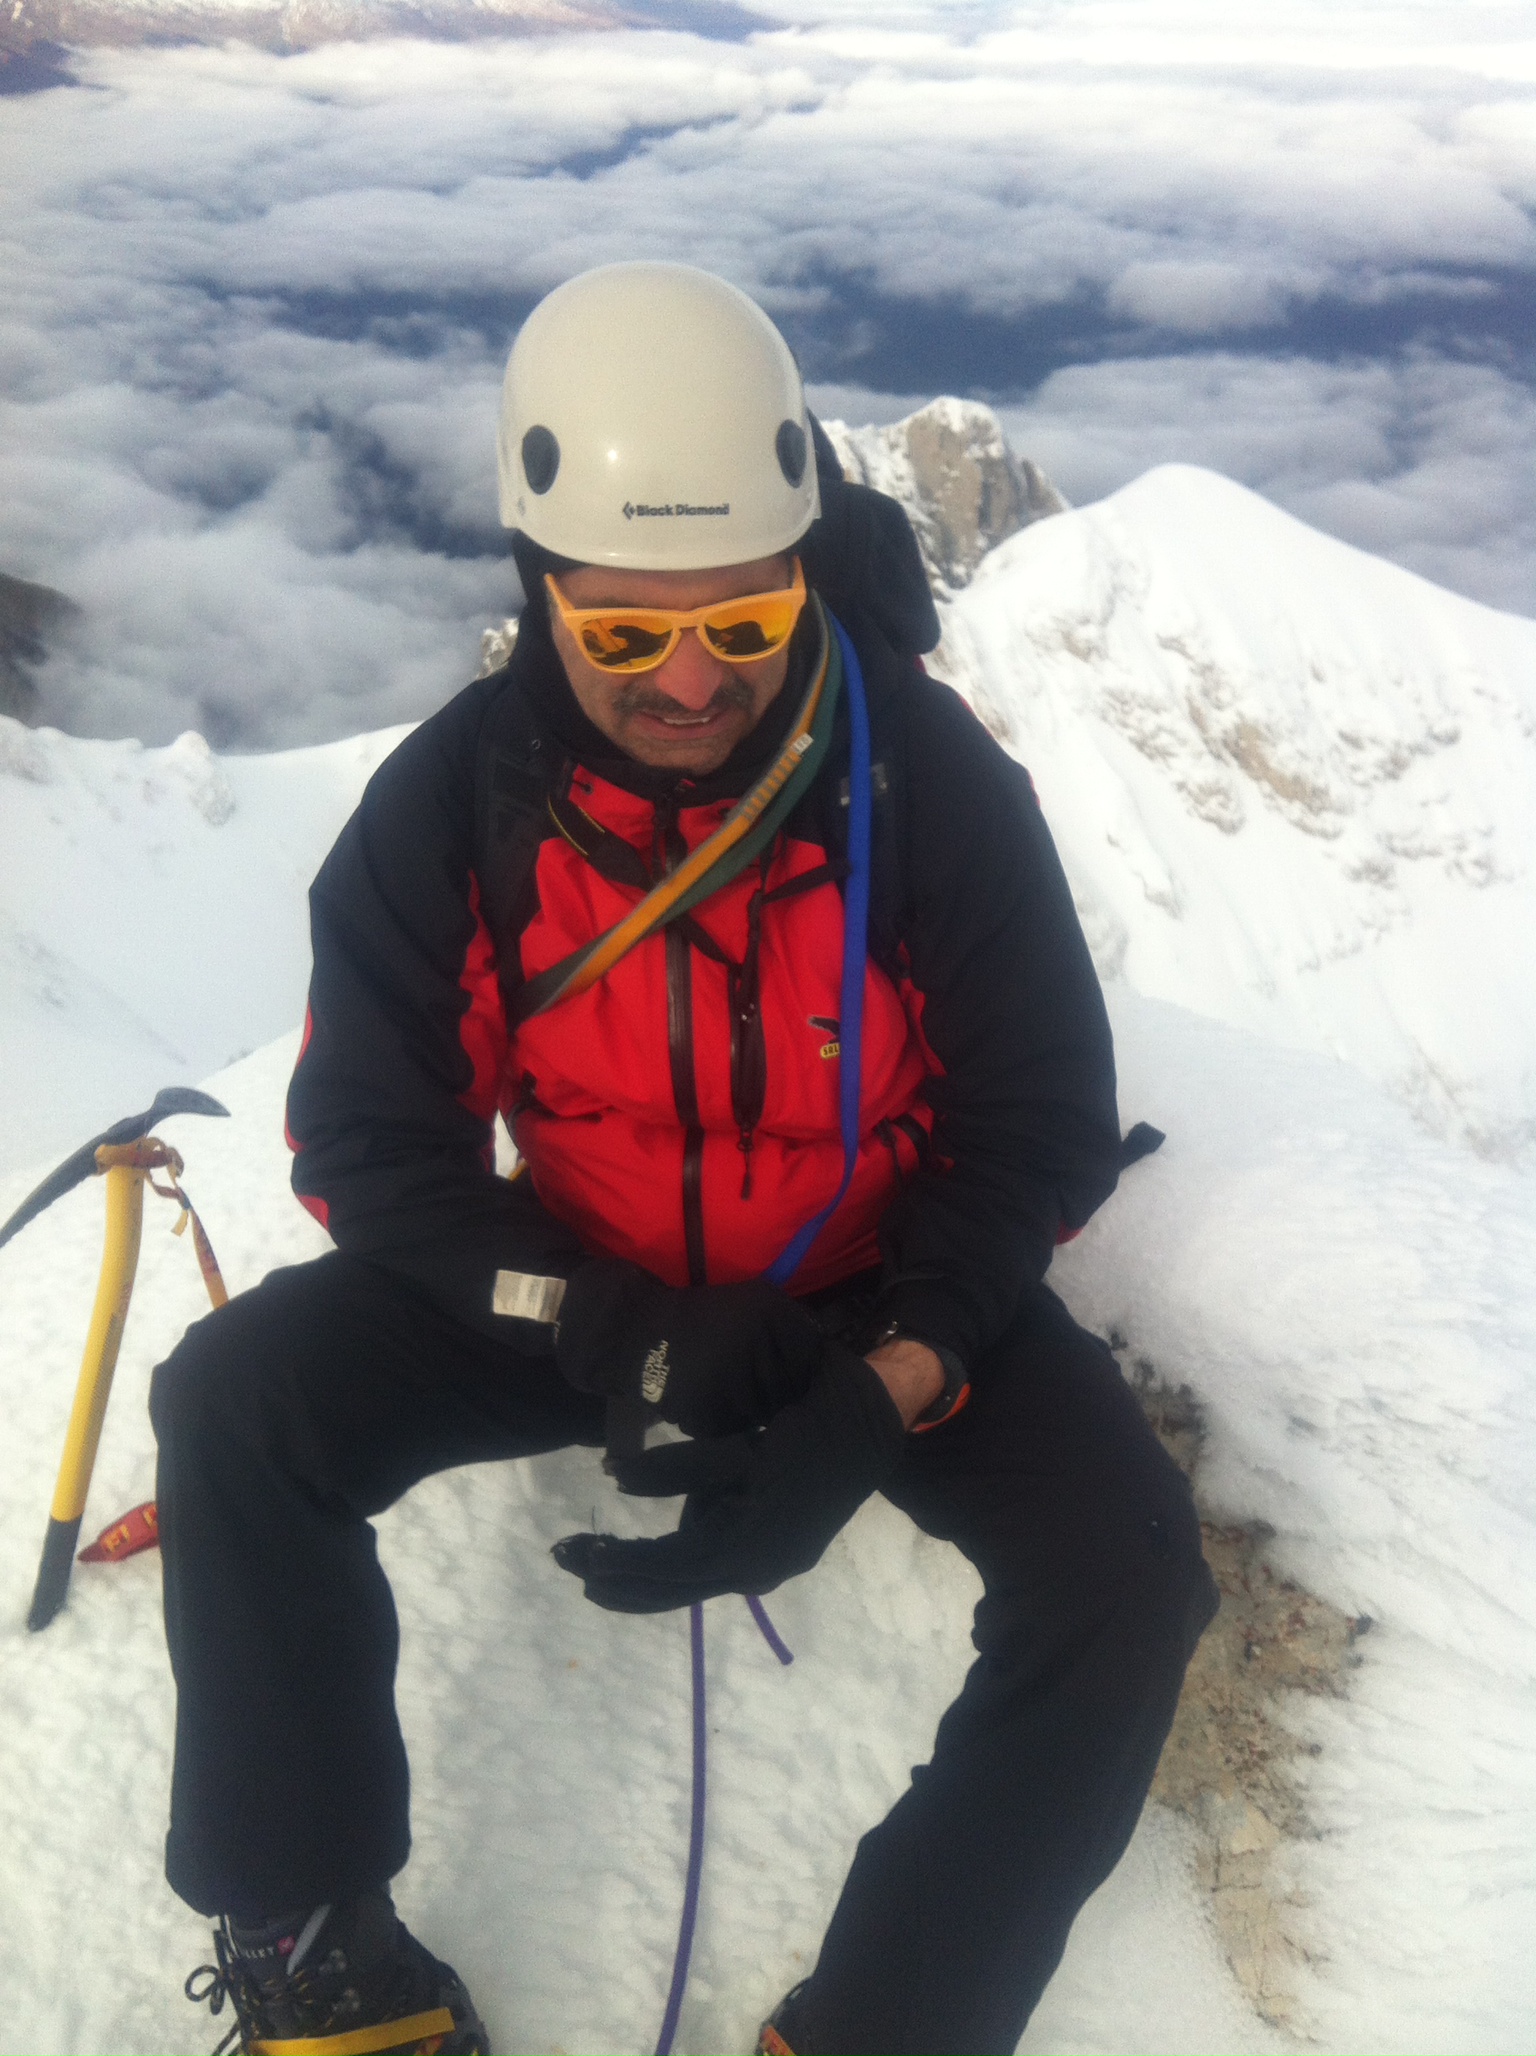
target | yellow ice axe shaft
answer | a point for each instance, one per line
(114, 1289)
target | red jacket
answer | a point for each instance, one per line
(609, 1093)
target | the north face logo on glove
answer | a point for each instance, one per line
(653, 1377)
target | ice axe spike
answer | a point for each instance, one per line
(80, 1164)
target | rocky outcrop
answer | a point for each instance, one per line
(1234, 1763)
(304, 24)
(497, 645)
(28, 615)
(950, 466)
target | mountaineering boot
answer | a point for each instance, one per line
(348, 1980)
(785, 2032)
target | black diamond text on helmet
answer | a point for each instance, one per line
(672, 507)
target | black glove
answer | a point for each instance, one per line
(712, 1358)
(761, 1507)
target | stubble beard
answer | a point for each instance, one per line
(636, 699)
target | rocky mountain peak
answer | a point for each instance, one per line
(950, 466)
(28, 613)
(45, 26)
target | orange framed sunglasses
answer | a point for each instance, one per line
(624, 640)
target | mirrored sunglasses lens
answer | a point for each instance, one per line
(619, 643)
(755, 634)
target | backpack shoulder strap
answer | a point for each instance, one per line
(888, 837)
(519, 769)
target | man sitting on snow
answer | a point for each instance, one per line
(793, 1175)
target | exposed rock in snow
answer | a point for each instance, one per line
(496, 646)
(28, 614)
(303, 24)
(1230, 1764)
(950, 466)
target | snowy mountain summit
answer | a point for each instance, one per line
(1294, 785)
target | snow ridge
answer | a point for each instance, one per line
(1294, 786)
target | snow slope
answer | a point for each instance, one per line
(153, 922)
(1353, 1301)
(1294, 785)
(1293, 789)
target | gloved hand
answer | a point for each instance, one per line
(761, 1506)
(712, 1358)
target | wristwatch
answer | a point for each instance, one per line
(957, 1384)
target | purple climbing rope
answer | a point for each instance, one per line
(771, 1634)
(695, 1842)
(690, 1919)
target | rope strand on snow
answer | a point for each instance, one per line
(695, 1842)
(771, 1634)
(690, 1919)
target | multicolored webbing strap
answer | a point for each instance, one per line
(744, 834)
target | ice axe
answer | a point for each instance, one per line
(126, 1154)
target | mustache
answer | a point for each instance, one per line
(733, 696)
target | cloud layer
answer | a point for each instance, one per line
(257, 305)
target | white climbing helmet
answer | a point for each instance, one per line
(653, 417)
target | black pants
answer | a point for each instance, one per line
(294, 1414)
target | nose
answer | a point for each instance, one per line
(691, 676)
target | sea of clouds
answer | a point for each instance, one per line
(255, 306)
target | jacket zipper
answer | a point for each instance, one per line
(670, 849)
(749, 1053)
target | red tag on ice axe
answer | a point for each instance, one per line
(138, 1529)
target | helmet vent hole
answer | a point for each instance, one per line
(541, 457)
(790, 445)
